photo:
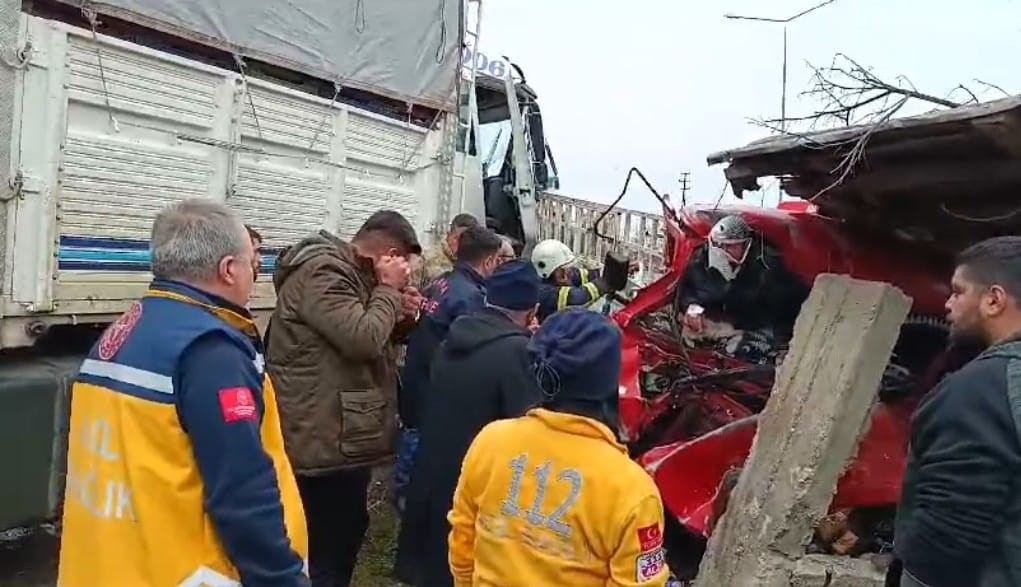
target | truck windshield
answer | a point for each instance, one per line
(494, 140)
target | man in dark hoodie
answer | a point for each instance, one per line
(552, 497)
(453, 294)
(959, 519)
(331, 356)
(482, 373)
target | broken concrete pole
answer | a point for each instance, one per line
(808, 432)
(835, 571)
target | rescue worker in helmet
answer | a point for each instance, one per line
(563, 283)
(737, 278)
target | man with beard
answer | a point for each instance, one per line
(959, 520)
(481, 373)
(552, 498)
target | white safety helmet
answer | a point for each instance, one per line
(730, 230)
(550, 255)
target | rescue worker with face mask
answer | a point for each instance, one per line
(738, 278)
(177, 473)
(563, 283)
(552, 498)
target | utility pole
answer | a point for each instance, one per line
(685, 182)
(783, 70)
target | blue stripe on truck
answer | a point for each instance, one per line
(121, 255)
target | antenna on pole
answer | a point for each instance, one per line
(685, 181)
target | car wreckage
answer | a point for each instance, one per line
(919, 189)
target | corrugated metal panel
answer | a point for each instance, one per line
(114, 189)
(286, 120)
(141, 85)
(115, 180)
(384, 143)
(392, 151)
(284, 203)
(362, 198)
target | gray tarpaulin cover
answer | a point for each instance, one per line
(403, 49)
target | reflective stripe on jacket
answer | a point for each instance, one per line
(151, 498)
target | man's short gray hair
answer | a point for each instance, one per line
(191, 237)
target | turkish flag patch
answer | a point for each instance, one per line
(238, 405)
(650, 538)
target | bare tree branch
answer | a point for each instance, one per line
(850, 94)
(994, 87)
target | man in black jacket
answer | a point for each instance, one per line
(738, 278)
(480, 374)
(959, 520)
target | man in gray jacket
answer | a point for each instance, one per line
(959, 520)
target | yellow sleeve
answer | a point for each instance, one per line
(462, 519)
(640, 558)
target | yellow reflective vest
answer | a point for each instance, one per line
(134, 513)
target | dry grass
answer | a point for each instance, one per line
(375, 561)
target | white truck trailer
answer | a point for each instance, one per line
(302, 115)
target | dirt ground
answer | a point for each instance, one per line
(30, 560)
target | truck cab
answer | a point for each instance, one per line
(506, 156)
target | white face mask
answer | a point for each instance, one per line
(720, 261)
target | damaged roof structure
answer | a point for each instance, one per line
(943, 179)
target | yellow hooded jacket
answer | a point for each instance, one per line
(552, 499)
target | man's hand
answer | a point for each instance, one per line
(393, 271)
(411, 302)
(633, 266)
(693, 318)
(533, 325)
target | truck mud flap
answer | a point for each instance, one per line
(34, 413)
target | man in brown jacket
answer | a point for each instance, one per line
(330, 353)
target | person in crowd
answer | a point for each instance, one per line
(257, 246)
(176, 470)
(507, 249)
(341, 308)
(481, 373)
(564, 284)
(738, 278)
(456, 293)
(552, 497)
(959, 518)
(441, 257)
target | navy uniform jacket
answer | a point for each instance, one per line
(192, 443)
(453, 294)
(584, 289)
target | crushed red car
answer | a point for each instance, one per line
(689, 412)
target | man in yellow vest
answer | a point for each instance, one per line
(177, 475)
(552, 498)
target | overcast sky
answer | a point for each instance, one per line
(659, 84)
